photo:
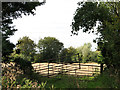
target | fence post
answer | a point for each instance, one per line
(101, 68)
(39, 68)
(79, 60)
(75, 72)
(62, 68)
(48, 69)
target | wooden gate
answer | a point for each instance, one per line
(53, 69)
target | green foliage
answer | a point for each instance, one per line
(30, 84)
(8, 83)
(63, 55)
(49, 48)
(93, 56)
(107, 15)
(24, 83)
(27, 48)
(7, 49)
(84, 18)
(13, 77)
(63, 81)
(72, 54)
(100, 58)
(9, 74)
(100, 81)
(52, 87)
(37, 58)
(86, 55)
(103, 81)
(67, 55)
(24, 65)
(10, 11)
(86, 51)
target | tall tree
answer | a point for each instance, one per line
(71, 54)
(10, 11)
(85, 52)
(49, 47)
(68, 55)
(63, 55)
(27, 48)
(107, 14)
(95, 56)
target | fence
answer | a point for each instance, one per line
(53, 69)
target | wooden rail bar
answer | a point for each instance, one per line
(73, 69)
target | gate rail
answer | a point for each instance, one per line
(53, 69)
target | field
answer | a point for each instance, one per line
(52, 69)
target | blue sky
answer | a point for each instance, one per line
(52, 19)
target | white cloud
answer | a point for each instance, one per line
(52, 19)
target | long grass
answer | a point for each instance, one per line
(65, 81)
(62, 81)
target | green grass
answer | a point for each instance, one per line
(100, 81)
(62, 82)
(66, 81)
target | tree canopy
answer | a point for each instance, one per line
(66, 55)
(10, 11)
(27, 48)
(107, 15)
(85, 51)
(49, 47)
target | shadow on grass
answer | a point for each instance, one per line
(67, 81)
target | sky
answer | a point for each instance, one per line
(52, 19)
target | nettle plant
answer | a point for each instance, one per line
(9, 78)
(9, 74)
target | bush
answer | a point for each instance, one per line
(9, 74)
(13, 77)
(24, 65)
(27, 83)
(104, 80)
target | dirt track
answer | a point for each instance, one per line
(72, 69)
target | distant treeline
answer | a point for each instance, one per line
(51, 49)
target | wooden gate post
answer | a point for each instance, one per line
(79, 60)
(48, 69)
(101, 68)
(39, 68)
(62, 68)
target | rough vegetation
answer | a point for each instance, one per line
(104, 15)
(20, 73)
